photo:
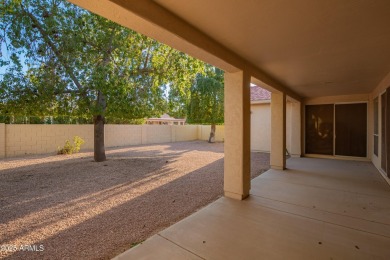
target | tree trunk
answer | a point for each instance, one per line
(212, 134)
(98, 121)
(99, 150)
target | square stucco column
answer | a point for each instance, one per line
(237, 135)
(296, 136)
(278, 131)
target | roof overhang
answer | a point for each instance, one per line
(303, 48)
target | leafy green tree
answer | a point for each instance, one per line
(206, 104)
(65, 61)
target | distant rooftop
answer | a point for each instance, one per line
(259, 94)
(166, 116)
(165, 119)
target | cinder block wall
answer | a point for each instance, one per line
(2, 140)
(204, 132)
(19, 140)
(155, 134)
(191, 133)
(122, 135)
(40, 139)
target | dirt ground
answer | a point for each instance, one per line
(69, 207)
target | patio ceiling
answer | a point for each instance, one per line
(317, 48)
(309, 48)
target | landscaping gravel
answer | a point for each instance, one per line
(69, 207)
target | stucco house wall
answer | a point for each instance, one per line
(261, 127)
(378, 91)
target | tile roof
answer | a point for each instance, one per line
(258, 94)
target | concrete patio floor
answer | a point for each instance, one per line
(317, 209)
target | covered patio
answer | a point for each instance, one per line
(316, 209)
(331, 60)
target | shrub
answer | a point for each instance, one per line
(71, 148)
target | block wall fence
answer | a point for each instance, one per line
(18, 140)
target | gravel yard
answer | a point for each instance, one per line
(73, 208)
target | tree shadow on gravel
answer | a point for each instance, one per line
(25, 190)
(132, 220)
(180, 147)
(92, 214)
(217, 147)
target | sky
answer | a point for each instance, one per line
(5, 54)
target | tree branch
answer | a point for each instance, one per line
(36, 93)
(147, 57)
(54, 49)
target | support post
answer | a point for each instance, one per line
(237, 135)
(295, 141)
(278, 131)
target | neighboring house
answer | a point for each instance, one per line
(165, 120)
(261, 120)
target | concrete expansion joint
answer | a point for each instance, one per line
(169, 240)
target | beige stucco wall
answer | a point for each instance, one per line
(40, 139)
(190, 133)
(154, 134)
(19, 140)
(122, 135)
(204, 132)
(2, 140)
(288, 126)
(260, 127)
